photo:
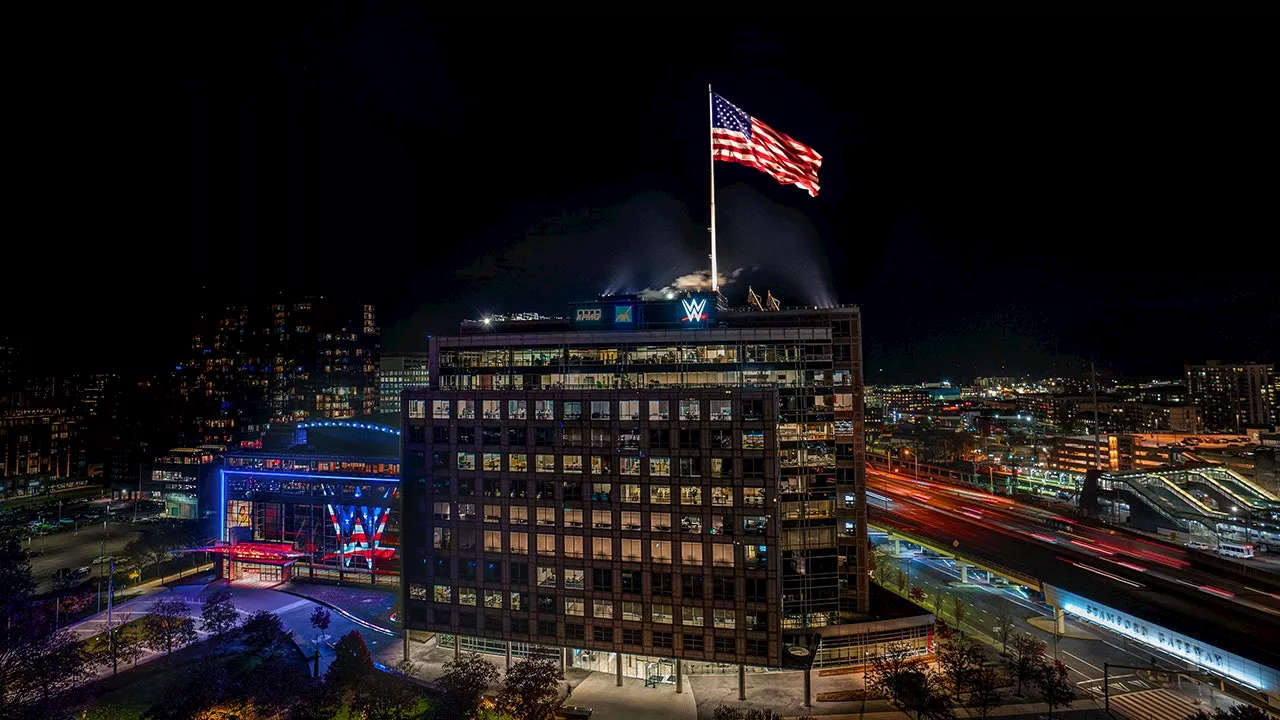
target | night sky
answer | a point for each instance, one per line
(999, 195)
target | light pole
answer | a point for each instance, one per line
(915, 456)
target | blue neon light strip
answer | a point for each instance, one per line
(343, 423)
(309, 476)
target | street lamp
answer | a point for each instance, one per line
(916, 456)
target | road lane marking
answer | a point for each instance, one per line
(1077, 657)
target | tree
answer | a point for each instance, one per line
(725, 712)
(959, 658)
(917, 595)
(464, 681)
(908, 685)
(984, 691)
(38, 663)
(958, 608)
(218, 616)
(531, 688)
(1025, 658)
(388, 696)
(351, 665)
(901, 581)
(168, 625)
(1235, 712)
(264, 634)
(320, 619)
(884, 566)
(1004, 627)
(123, 644)
(1054, 684)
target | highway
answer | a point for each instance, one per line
(1149, 579)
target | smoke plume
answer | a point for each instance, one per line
(691, 282)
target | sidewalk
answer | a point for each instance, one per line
(145, 590)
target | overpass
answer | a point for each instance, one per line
(897, 534)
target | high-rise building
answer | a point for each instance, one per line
(10, 372)
(646, 479)
(397, 372)
(1233, 396)
(37, 445)
(252, 365)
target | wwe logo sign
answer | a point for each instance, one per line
(694, 309)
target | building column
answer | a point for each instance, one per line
(679, 677)
(1059, 621)
(457, 646)
(508, 656)
(566, 660)
(742, 681)
(897, 547)
(617, 664)
(808, 688)
(964, 573)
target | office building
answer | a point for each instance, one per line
(397, 372)
(645, 480)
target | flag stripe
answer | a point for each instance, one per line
(737, 137)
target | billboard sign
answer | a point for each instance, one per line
(624, 314)
(588, 315)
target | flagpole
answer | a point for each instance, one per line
(715, 275)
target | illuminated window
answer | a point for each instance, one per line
(466, 596)
(493, 599)
(573, 578)
(491, 462)
(691, 615)
(602, 609)
(546, 463)
(600, 465)
(602, 519)
(630, 465)
(661, 551)
(661, 614)
(691, 553)
(440, 409)
(726, 618)
(518, 542)
(517, 462)
(630, 493)
(753, 497)
(752, 439)
(690, 410)
(546, 576)
(574, 606)
(722, 555)
(466, 461)
(546, 516)
(572, 410)
(492, 513)
(442, 594)
(659, 466)
(545, 409)
(721, 495)
(519, 514)
(573, 464)
(632, 611)
(660, 522)
(721, 409)
(660, 494)
(572, 517)
(573, 546)
(721, 467)
(517, 601)
(599, 409)
(690, 495)
(628, 409)
(466, 409)
(632, 550)
(417, 409)
(546, 544)
(492, 541)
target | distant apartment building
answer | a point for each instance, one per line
(280, 362)
(1233, 396)
(37, 445)
(1073, 413)
(397, 372)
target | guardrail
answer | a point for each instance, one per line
(941, 549)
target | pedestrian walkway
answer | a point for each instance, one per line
(600, 692)
(1160, 704)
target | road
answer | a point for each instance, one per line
(75, 549)
(1084, 657)
(1160, 589)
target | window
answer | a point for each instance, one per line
(546, 576)
(663, 639)
(440, 409)
(722, 555)
(573, 578)
(491, 436)
(520, 573)
(599, 409)
(574, 606)
(631, 550)
(661, 613)
(659, 439)
(753, 497)
(630, 520)
(492, 513)
(441, 510)
(442, 594)
(573, 631)
(752, 409)
(545, 437)
(467, 596)
(546, 463)
(466, 409)
(467, 570)
(692, 615)
(602, 519)
(600, 492)
(602, 609)
(630, 465)
(632, 611)
(466, 487)
(493, 623)
(602, 548)
(724, 588)
(758, 648)
(691, 553)
(628, 440)
(491, 409)
(721, 409)
(690, 439)
(466, 461)
(417, 409)
(417, 591)
(572, 410)
(493, 571)
(517, 436)
(519, 514)
(602, 634)
(690, 467)
(726, 645)
(517, 601)
(755, 557)
(573, 436)
(546, 544)
(690, 495)
(661, 584)
(573, 546)
(659, 466)
(722, 495)
(631, 581)
(691, 524)
(544, 409)
(442, 538)
(630, 493)
(572, 517)
(440, 434)
(628, 409)
(546, 603)
(752, 439)
(692, 643)
(690, 410)
(661, 551)
(492, 541)
(659, 409)
(660, 522)
(493, 599)
(517, 409)
(600, 465)
(518, 542)
(573, 464)
(547, 628)
(632, 637)
(723, 440)
(546, 516)
(660, 494)
(491, 462)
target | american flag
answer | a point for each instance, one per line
(738, 137)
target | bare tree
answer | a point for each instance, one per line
(984, 691)
(1004, 627)
(168, 625)
(1054, 684)
(1025, 658)
(884, 566)
(959, 658)
(901, 581)
(958, 608)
